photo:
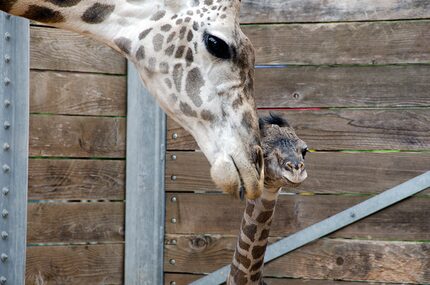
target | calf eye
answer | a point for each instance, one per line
(216, 46)
(304, 151)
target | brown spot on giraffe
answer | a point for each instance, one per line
(123, 44)
(249, 231)
(243, 245)
(171, 37)
(97, 13)
(6, 5)
(257, 265)
(207, 116)
(187, 110)
(168, 83)
(180, 51)
(43, 14)
(158, 15)
(178, 72)
(193, 85)
(144, 33)
(64, 3)
(264, 216)
(249, 208)
(264, 234)
(258, 251)
(256, 276)
(189, 57)
(268, 204)
(157, 41)
(239, 276)
(245, 261)
(166, 27)
(169, 51)
(164, 67)
(140, 53)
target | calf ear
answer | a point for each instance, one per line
(277, 119)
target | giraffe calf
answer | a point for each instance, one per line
(284, 154)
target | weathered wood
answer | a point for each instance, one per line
(75, 265)
(71, 179)
(341, 43)
(75, 136)
(185, 279)
(354, 86)
(404, 129)
(329, 172)
(55, 49)
(337, 259)
(75, 222)
(77, 93)
(257, 11)
(197, 213)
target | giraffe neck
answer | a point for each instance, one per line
(102, 20)
(248, 259)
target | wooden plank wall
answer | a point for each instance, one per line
(77, 167)
(353, 78)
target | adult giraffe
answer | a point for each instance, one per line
(193, 57)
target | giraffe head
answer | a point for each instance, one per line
(194, 58)
(284, 153)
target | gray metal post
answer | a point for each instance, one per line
(14, 118)
(144, 236)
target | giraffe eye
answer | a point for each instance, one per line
(217, 47)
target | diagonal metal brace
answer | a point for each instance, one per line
(332, 224)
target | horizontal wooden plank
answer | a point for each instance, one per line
(341, 43)
(76, 136)
(71, 179)
(75, 265)
(185, 279)
(258, 11)
(55, 49)
(75, 222)
(332, 259)
(206, 213)
(77, 93)
(354, 129)
(327, 172)
(354, 86)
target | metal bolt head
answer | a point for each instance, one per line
(173, 241)
(174, 157)
(6, 125)
(5, 191)
(173, 177)
(4, 257)
(174, 199)
(172, 283)
(3, 280)
(7, 36)
(6, 146)
(4, 235)
(7, 58)
(352, 215)
(6, 81)
(172, 261)
(6, 168)
(6, 103)
(174, 136)
(4, 213)
(173, 220)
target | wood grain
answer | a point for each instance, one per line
(327, 172)
(381, 261)
(77, 93)
(76, 136)
(71, 179)
(258, 11)
(341, 43)
(185, 279)
(404, 129)
(206, 213)
(75, 265)
(340, 86)
(75, 222)
(54, 49)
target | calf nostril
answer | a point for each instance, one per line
(301, 165)
(290, 166)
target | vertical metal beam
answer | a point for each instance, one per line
(14, 116)
(144, 236)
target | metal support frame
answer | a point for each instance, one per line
(146, 136)
(332, 224)
(14, 120)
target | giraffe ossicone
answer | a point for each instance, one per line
(193, 57)
(284, 154)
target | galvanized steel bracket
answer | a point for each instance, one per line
(14, 121)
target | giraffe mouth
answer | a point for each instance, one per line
(242, 190)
